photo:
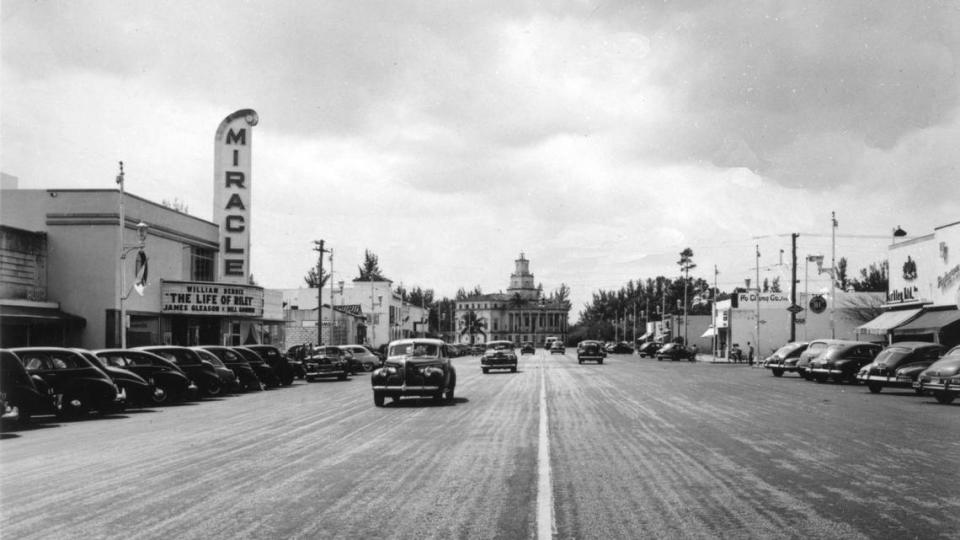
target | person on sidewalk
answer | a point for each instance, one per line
(750, 353)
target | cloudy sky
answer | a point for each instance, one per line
(600, 138)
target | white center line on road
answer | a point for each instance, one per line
(545, 524)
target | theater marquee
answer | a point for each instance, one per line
(231, 193)
(202, 298)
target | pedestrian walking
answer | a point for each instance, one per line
(750, 353)
(693, 353)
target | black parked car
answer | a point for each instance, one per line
(415, 367)
(619, 348)
(649, 348)
(899, 365)
(203, 375)
(246, 376)
(23, 396)
(263, 370)
(138, 391)
(815, 348)
(784, 360)
(675, 351)
(842, 361)
(277, 361)
(228, 378)
(80, 385)
(942, 378)
(170, 383)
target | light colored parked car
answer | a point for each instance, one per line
(363, 358)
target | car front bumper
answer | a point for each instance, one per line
(901, 381)
(407, 390)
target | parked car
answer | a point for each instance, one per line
(814, 349)
(942, 378)
(202, 375)
(139, 392)
(784, 360)
(842, 361)
(498, 355)
(675, 351)
(527, 348)
(263, 370)
(415, 367)
(23, 396)
(229, 379)
(557, 347)
(899, 365)
(246, 376)
(278, 362)
(590, 350)
(328, 361)
(363, 358)
(295, 356)
(621, 347)
(650, 349)
(171, 385)
(79, 385)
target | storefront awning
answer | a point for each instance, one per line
(929, 323)
(643, 337)
(709, 333)
(887, 321)
(33, 314)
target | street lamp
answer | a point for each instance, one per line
(141, 276)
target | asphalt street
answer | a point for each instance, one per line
(633, 448)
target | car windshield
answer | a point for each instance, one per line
(785, 351)
(422, 350)
(499, 345)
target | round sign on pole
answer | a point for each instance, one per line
(818, 304)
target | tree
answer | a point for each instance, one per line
(370, 270)
(473, 325)
(873, 279)
(176, 204)
(313, 282)
(686, 264)
(841, 277)
(775, 286)
(766, 285)
(562, 294)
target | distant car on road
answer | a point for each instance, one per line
(942, 378)
(415, 367)
(675, 351)
(899, 365)
(649, 348)
(557, 347)
(527, 348)
(590, 350)
(498, 355)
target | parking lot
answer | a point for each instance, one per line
(637, 448)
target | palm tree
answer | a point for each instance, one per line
(473, 325)
(517, 302)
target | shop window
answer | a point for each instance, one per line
(201, 264)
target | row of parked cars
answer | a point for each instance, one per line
(70, 383)
(927, 368)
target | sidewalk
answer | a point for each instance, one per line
(711, 359)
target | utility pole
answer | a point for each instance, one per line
(833, 271)
(318, 247)
(333, 306)
(716, 293)
(758, 302)
(793, 287)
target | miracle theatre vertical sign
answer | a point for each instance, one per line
(231, 193)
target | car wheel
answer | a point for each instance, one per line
(777, 372)
(486, 370)
(875, 388)
(945, 398)
(342, 377)
(449, 396)
(513, 370)
(160, 396)
(213, 389)
(368, 367)
(73, 406)
(600, 361)
(820, 378)
(378, 399)
(579, 361)
(287, 380)
(310, 378)
(918, 391)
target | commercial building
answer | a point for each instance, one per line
(522, 314)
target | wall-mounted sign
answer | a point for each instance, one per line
(910, 269)
(764, 298)
(232, 191)
(203, 298)
(902, 296)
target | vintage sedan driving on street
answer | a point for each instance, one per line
(942, 378)
(80, 385)
(329, 361)
(784, 360)
(590, 350)
(527, 348)
(498, 355)
(415, 367)
(842, 361)
(899, 365)
(649, 348)
(557, 347)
